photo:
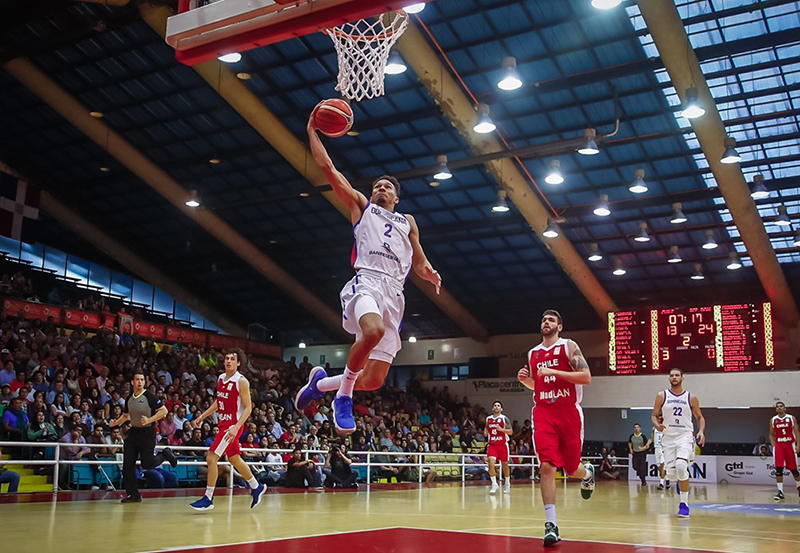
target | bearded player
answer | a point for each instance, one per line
(498, 429)
(561, 372)
(677, 407)
(386, 248)
(233, 406)
(785, 437)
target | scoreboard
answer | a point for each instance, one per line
(718, 338)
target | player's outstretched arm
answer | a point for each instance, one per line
(701, 421)
(659, 404)
(353, 200)
(419, 261)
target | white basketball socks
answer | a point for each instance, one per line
(348, 383)
(330, 383)
(685, 497)
(780, 486)
(550, 514)
(210, 492)
(253, 483)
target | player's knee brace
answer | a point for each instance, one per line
(795, 473)
(779, 471)
(682, 468)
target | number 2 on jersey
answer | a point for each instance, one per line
(388, 232)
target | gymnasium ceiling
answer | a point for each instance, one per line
(573, 60)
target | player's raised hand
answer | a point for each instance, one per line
(524, 374)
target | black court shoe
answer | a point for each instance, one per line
(170, 457)
(131, 499)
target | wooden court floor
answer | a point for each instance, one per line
(724, 518)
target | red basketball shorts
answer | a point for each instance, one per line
(558, 435)
(223, 446)
(498, 450)
(785, 456)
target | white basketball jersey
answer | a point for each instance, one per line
(677, 413)
(382, 243)
(658, 437)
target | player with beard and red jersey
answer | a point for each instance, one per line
(233, 406)
(560, 373)
(785, 437)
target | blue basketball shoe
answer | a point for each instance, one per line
(310, 392)
(343, 415)
(202, 504)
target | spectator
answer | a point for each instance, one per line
(607, 468)
(275, 469)
(337, 469)
(759, 449)
(5, 394)
(15, 421)
(8, 374)
(8, 477)
(300, 473)
(60, 426)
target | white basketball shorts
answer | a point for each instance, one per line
(387, 294)
(678, 447)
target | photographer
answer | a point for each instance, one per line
(337, 469)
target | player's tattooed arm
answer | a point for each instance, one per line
(577, 360)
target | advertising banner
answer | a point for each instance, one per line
(186, 336)
(264, 350)
(30, 310)
(722, 469)
(702, 469)
(73, 317)
(153, 331)
(226, 342)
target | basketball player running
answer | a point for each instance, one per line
(656, 438)
(233, 403)
(498, 429)
(386, 248)
(561, 373)
(785, 437)
(677, 407)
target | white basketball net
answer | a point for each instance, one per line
(362, 48)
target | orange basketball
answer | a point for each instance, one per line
(333, 118)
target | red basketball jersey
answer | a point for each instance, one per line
(784, 429)
(229, 402)
(495, 426)
(552, 391)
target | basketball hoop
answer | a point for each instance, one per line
(362, 49)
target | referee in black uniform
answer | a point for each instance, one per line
(143, 409)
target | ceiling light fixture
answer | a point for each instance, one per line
(97, 114)
(677, 214)
(412, 339)
(619, 270)
(443, 173)
(233, 57)
(691, 105)
(500, 206)
(395, 64)
(602, 209)
(243, 76)
(782, 219)
(484, 123)
(730, 155)
(605, 4)
(673, 256)
(642, 236)
(193, 200)
(735, 263)
(301, 345)
(710, 243)
(554, 176)
(594, 252)
(416, 7)
(758, 190)
(511, 79)
(638, 186)
(589, 146)
(698, 272)
(551, 231)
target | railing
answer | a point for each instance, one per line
(465, 460)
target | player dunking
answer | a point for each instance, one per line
(498, 429)
(561, 372)
(386, 248)
(233, 405)
(785, 437)
(677, 407)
